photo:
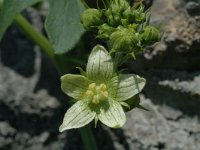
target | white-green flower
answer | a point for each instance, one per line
(99, 92)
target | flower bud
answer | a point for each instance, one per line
(113, 19)
(138, 17)
(91, 18)
(115, 11)
(119, 6)
(122, 40)
(135, 14)
(128, 15)
(150, 35)
(105, 31)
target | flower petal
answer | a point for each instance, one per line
(113, 116)
(74, 85)
(77, 116)
(100, 65)
(128, 86)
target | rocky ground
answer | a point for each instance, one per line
(32, 105)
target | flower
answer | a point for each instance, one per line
(150, 35)
(99, 92)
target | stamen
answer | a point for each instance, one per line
(95, 100)
(105, 94)
(92, 86)
(89, 93)
(97, 93)
(102, 87)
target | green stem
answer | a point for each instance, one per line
(35, 36)
(42, 41)
(87, 138)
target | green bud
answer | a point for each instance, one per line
(115, 11)
(128, 15)
(150, 35)
(105, 31)
(135, 14)
(133, 26)
(119, 6)
(139, 17)
(113, 19)
(124, 22)
(91, 18)
(122, 40)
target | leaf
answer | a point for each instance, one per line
(77, 116)
(63, 24)
(9, 10)
(128, 86)
(114, 116)
(74, 85)
(100, 65)
(1, 3)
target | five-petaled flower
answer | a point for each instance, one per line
(99, 92)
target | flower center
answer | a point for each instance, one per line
(97, 93)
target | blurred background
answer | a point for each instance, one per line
(32, 105)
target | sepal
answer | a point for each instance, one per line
(82, 72)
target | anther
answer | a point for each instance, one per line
(89, 93)
(92, 86)
(97, 93)
(105, 94)
(95, 100)
(102, 87)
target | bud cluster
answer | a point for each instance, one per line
(126, 29)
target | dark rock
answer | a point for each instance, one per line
(193, 7)
(7, 134)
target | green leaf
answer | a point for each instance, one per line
(9, 10)
(128, 86)
(74, 85)
(113, 116)
(63, 24)
(100, 66)
(1, 3)
(77, 116)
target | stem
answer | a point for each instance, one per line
(35, 36)
(87, 138)
(42, 41)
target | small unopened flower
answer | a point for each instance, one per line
(105, 31)
(122, 40)
(115, 11)
(99, 92)
(91, 18)
(150, 35)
